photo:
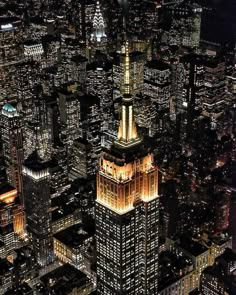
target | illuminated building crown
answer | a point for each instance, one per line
(98, 24)
(9, 111)
(35, 168)
(127, 134)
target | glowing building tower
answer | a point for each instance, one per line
(98, 24)
(127, 210)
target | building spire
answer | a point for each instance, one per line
(127, 69)
(98, 24)
(127, 134)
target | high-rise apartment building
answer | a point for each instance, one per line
(12, 142)
(127, 210)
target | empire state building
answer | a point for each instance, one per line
(127, 210)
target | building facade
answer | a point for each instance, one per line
(36, 186)
(12, 139)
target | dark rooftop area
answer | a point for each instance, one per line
(5, 266)
(73, 236)
(64, 279)
(158, 65)
(35, 163)
(79, 59)
(88, 100)
(172, 267)
(191, 246)
(5, 187)
(23, 289)
(228, 255)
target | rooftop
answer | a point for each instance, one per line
(64, 206)
(35, 163)
(5, 266)
(121, 155)
(192, 247)
(229, 255)
(172, 268)
(79, 59)
(214, 271)
(64, 279)
(73, 236)
(158, 65)
(23, 289)
(5, 187)
(87, 101)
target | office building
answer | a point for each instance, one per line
(12, 140)
(215, 98)
(157, 83)
(69, 114)
(36, 188)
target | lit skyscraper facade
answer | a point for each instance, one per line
(36, 180)
(12, 139)
(117, 146)
(127, 210)
(98, 24)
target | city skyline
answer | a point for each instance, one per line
(118, 147)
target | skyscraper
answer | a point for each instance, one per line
(12, 139)
(98, 25)
(127, 210)
(36, 180)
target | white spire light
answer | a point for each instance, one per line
(98, 24)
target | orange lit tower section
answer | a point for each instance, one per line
(11, 217)
(127, 210)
